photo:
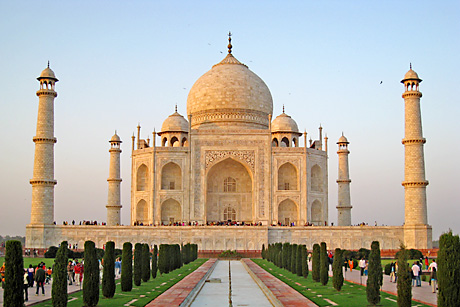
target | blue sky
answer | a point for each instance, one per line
(120, 63)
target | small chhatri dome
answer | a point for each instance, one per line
(411, 75)
(229, 96)
(284, 123)
(48, 73)
(175, 123)
(343, 140)
(115, 138)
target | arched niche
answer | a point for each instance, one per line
(229, 184)
(287, 177)
(142, 178)
(142, 212)
(287, 212)
(275, 142)
(284, 142)
(317, 180)
(171, 211)
(171, 177)
(317, 213)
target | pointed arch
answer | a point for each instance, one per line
(174, 142)
(287, 177)
(288, 212)
(171, 211)
(275, 142)
(171, 177)
(142, 212)
(284, 142)
(142, 178)
(184, 142)
(317, 179)
(317, 213)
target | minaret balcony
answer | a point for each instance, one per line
(415, 184)
(46, 92)
(414, 141)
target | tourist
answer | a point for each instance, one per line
(78, 269)
(392, 271)
(40, 279)
(350, 264)
(433, 275)
(366, 268)
(70, 272)
(416, 275)
(26, 286)
(30, 272)
(426, 263)
(117, 267)
(362, 265)
(396, 271)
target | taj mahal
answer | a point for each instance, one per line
(230, 175)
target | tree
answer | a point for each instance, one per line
(127, 267)
(145, 262)
(137, 264)
(324, 265)
(337, 277)
(299, 260)
(374, 281)
(163, 261)
(59, 286)
(155, 262)
(13, 294)
(448, 273)
(91, 280)
(285, 251)
(304, 261)
(108, 273)
(404, 279)
(263, 251)
(315, 263)
(293, 268)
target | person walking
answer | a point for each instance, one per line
(362, 265)
(26, 286)
(416, 275)
(392, 271)
(426, 263)
(433, 268)
(40, 279)
(30, 272)
(78, 272)
(70, 272)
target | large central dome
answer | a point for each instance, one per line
(229, 96)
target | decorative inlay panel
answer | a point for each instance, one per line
(213, 156)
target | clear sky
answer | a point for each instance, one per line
(334, 63)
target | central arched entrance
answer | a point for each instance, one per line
(229, 192)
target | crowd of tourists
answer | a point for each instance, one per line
(39, 275)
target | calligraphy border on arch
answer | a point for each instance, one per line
(213, 156)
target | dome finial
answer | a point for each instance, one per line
(283, 108)
(410, 65)
(48, 64)
(176, 108)
(229, 42)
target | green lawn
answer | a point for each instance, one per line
(351, 294)
(145, 293)
(34, 261)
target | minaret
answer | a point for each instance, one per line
(344, 202)
(114, 180)
(417, 232)
(43, 182)
(414, 162)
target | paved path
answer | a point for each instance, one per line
(421, 294)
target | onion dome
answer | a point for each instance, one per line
(284, 123)
(175, 123)
(48, 73)
(230, 96)
(115, 138)
(343, 140)
(411, 75)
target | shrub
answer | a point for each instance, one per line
(337, 277)
(315, 263)
(145, 262)
(387, 269)
(423, 277)
(127, 267)
(137, 264)
(324, 265)
(91, 279)
(411, 254)
(13, 294)
(304, 261)
(263, 251)
(51, 252)
(229, 254)
(404, 279)
(346, 254)
(108, 273)
(448, 270)
(59, 287)
(374, 281)
(299, 260)
(155, 262)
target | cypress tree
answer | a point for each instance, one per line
(404, 279)
(324, 265)
(288, 257)
(179, 257)
(155, 262)
(172, 257)
(137, 264)
(263, 251)
(145, 262)
(337, 277)
(195, 253)
(374, 281)
(285, 252)
(315, 263)
(91, 280)
(163, 261)
(294, 259)
(448, 273)
(13, 294)
(127, 267)
(59, 287)
(108, 273)
(299, 260)
(304, 261)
